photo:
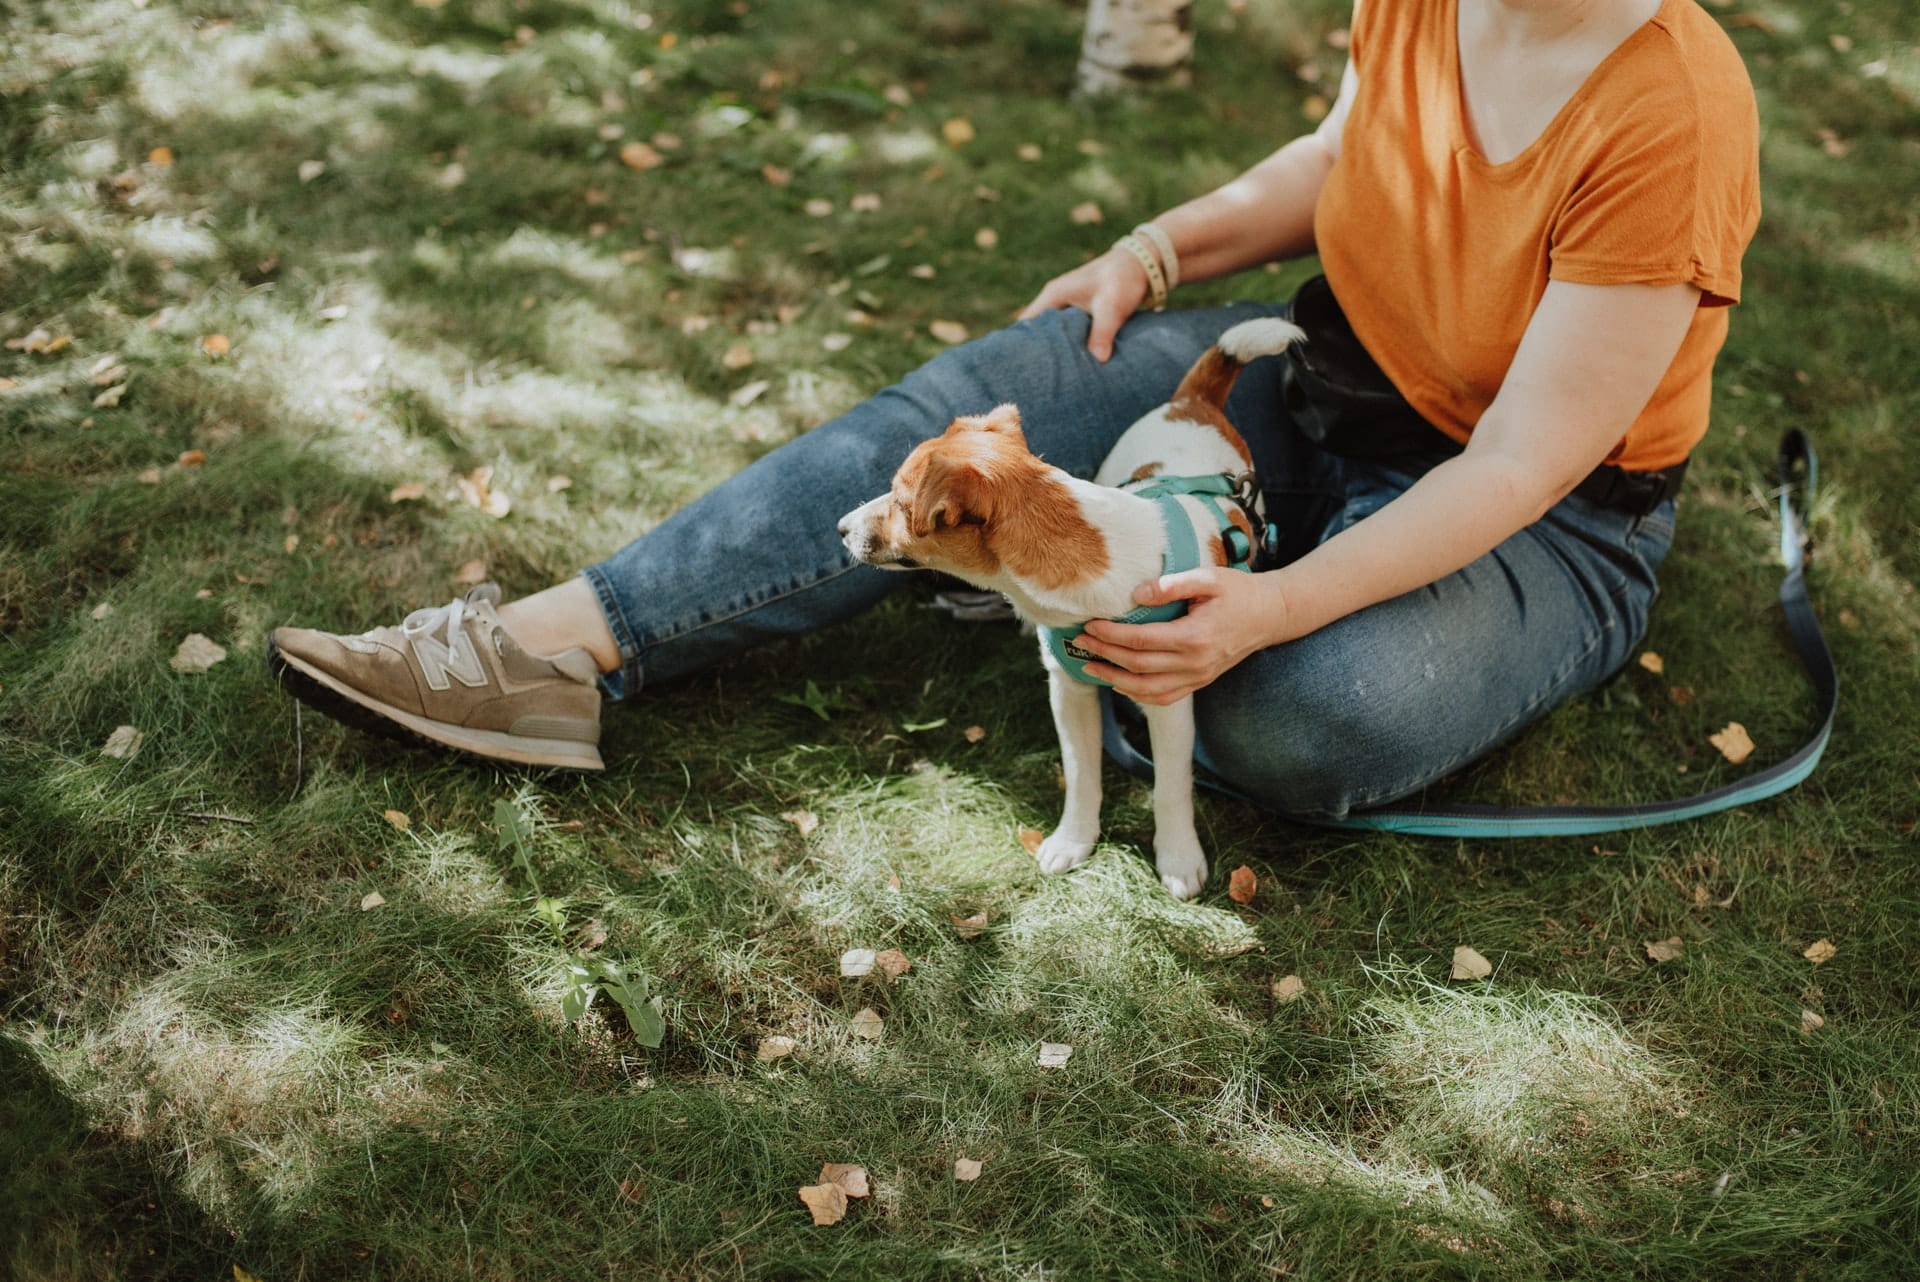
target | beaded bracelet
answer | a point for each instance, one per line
(1156, 279)
(1169, 260)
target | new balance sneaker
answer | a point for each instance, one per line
(451, 676)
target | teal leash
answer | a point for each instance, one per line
(1799, 472)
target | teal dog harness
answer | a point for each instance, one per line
(1222, 495)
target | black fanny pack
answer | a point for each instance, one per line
(1342, 401)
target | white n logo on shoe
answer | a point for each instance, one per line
(459, 660)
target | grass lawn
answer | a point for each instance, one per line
(327, 250)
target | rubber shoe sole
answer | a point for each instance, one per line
(345, 704)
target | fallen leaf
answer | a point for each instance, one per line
(1652, 662)
(850, 1176)
(1469, 964)
(923, 271)
(241, 1275)
(974, 734)
(161, 156)
(805, 820)
(898, 95)
(452, 176)
(8, 384)
(216, 345)
(1028, 151)
(1832, 143)
(110, 398)
(1054, 1055)
(639, 156)
(1288, 988)
(204, 594)
(101, 611)
(864, 202)
(747, 393)
(966, 1170)
(775, 176)
(948, 331)
(970, 926)
(191, 458)
(555, 484)
(1086, 213)
(1665, 950)
(476, 487)
(291, 542)
(1315, 106)
(894, 962)
(1030, 839)
(1753, 20)
(311, 169)
(856, 962)
(1733, 742)
(774, 1047)
(1682, 695)
(407, 492)
(958, 131)
(373, 899)
(150, 476)
(196, 654)
(818, 207)
(1266, 1200)
(397, 818)
(1242, 884)
(1819, 951)
(986, 238)
(738, 356)
(123, 744)
(837, 342)
(828, 1202)
(866, 1023)
(632, 1189)
(1809, 1021)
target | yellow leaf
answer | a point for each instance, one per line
(805, 820)
(160, 156)
(1733, 742)
(1819, 951)
(867, 1023)
(1086, 213)
(958, 131)
(974, 734)
(948, 331)
(192, 458)
(828, 1202)
(1242, 885)
(1469, 964)
(639, 156)
(1288, 988)
(986, 238)
(850, 1176)
(738, 356)
(397, 818)
(966, 1170)
(1665, 950)
(196, 654)
(123, 744)
(775, 1047)
(969, 927)
(1028, 151)
(1030, 839)
(1315, 107)
(1652, 662)
(555, 484)
(894, 962)
(216, 345)
(241, 1275)
(407, 492)
(373, 899)
(1809, 1021)
(775, 176)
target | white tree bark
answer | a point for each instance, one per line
(1131, 44)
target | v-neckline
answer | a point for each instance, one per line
(1463, 132)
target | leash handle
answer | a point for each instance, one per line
(1799, 472)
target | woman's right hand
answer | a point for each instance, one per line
(1109, 289)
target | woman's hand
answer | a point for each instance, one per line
(1230, 614)
(1109, 289)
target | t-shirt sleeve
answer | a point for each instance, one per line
(1670, 196)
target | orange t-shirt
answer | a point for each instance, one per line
(1649, 174)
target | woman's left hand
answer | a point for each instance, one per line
(1230, 614)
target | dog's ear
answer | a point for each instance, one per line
(1002, 420)
(950, 493)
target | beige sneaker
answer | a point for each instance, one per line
(451, 676)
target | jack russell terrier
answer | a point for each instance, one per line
(1176, 492)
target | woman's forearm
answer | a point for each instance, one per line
(1264, 214)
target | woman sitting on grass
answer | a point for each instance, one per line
(1530, 212)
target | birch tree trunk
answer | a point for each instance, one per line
(1131, 44)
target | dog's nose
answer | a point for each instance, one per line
(846, 525)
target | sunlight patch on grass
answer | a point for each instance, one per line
(1511, 1076)
(212, 70)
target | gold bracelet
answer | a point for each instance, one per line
(1156, 280)
(1169, 260)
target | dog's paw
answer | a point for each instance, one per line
(1060, 853)
(1182, 866)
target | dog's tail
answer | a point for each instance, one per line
(1211, 377)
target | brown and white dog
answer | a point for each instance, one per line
(978, 504)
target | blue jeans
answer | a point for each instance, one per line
(1371, 708)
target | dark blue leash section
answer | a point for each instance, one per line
(1799, 471)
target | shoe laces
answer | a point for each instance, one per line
(425, 622)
